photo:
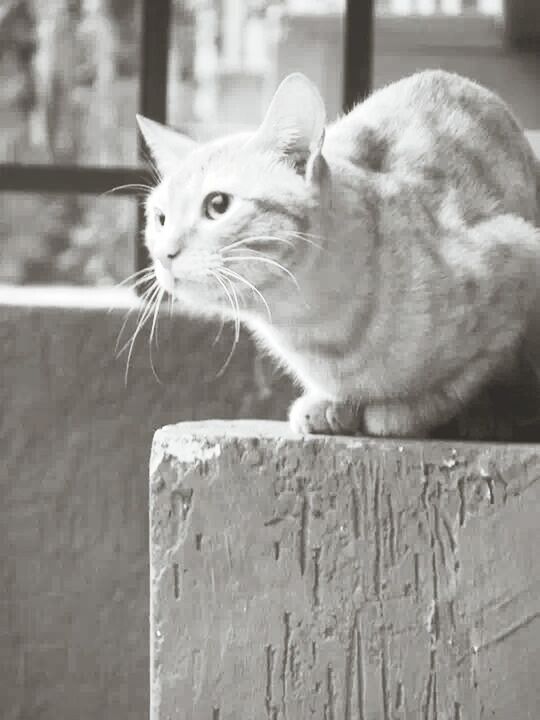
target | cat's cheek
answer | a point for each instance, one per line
(164, 277)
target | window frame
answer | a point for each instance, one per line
(154, 51)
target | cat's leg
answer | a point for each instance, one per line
(313, 414)
(415, 417)
(412, 418)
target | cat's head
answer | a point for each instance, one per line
(230, 219)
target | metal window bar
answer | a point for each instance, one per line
(153, 103)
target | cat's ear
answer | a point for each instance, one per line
(168, 147)
(295, 120)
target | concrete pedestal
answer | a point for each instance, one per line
(340, 578)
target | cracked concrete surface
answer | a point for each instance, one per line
(341, 578)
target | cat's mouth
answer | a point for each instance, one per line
(186, 283)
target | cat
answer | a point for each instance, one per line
(388, 260)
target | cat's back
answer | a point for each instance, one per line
(446, 128)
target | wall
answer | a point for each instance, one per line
(73, 519)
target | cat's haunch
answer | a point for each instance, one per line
(388, 260)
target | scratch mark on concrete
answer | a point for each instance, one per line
(329, 708)
(452, 615)
(176, 581)
(378, 534)
(437, 532)
(462, 501)
(399, 695)
(384, 679)
(491, 490)
(510, 631)
(360, 677)
(316, 580)
(303, 533)
(451, 539)
(270, 654)
(286, 641)
(392, 529)
(417, 576)
(348, 671)
(355, 513)
(229, 553)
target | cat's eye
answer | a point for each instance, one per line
(160, 218)
(215, 204)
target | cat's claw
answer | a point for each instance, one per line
(309, 415)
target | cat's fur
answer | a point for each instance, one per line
(409, 226)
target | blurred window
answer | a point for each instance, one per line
(73, 73)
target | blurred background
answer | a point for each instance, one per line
(70, 80)
(75, 431)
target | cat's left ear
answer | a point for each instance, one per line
(294, 123)
(169, 147)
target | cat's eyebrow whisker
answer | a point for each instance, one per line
(253, 287)
(145, 189)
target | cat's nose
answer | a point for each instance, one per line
(168, 253)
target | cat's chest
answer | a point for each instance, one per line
(315, 365)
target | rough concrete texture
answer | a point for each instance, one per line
(341, 578)
(73, 485)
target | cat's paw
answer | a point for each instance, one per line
(311, 415)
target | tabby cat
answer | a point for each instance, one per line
(389, 261)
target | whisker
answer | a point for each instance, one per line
(269, 261)
(140, 306)
(138, 281)
(307, 237)
(140, 324)
(219, 332)
(157, 307)
(144, 189)
(250, 285)
(256, 238)
(221, 280)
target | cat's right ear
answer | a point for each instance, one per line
(169, 147)
(294, 123)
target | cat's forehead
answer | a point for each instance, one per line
(219, 151)
(207, 158)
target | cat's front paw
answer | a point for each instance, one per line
(310, 414)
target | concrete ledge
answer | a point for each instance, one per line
(332, 578)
